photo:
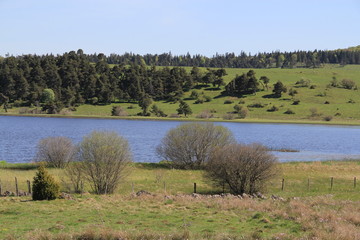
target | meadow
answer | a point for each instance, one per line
(338, 105)
(306, 208)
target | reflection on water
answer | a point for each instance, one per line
(19, 136)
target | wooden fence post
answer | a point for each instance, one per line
(0, 189)
(194, 187)
(165, 187)
(331, 183)
(282, 184)
(308, 184)
(16, 187)
(29, 186)
(354, 182)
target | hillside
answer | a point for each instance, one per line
(338, 104)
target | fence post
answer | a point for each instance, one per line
(354, 182)
(132, 187)
(282, 184)
(0, 189)
(29, 186)
(81, 188)
(165, 187)
(331, 183)
(308, 184)
(16, 187)
(194, 187)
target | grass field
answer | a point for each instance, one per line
(339, 108)
(304, 212)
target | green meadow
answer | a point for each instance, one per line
(338, 104)
(307, 206)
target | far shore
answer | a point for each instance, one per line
(193, 119)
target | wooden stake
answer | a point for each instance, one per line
(308, 184)
(282, 184)
(331, 183)
(354, 182)
(164, 186)
(16, 187)
(29, 186)
(194, 187)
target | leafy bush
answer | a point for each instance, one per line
(296, 102)
(289, 111)
(328, 118)
(207, 98)
(228, 102)
(273, 109)
(303, 83)
(44, 186)
(256, 105)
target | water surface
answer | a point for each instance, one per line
(20, 135)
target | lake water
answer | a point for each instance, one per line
(20, 135)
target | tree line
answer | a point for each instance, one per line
(277, 59)
(74, 79)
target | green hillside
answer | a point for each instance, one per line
(336, 104)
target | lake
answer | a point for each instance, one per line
(20, 135)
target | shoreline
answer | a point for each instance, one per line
(182, 119)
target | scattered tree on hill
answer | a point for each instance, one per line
(184, 108)
(190, 145)
(243, 168)
(243, 84)
(279, 88)
(157, 111)
(265, 80)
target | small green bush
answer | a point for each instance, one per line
(44, 186)
(289, 111)
(273, 109)
(228, 102)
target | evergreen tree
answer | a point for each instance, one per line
(44, 186)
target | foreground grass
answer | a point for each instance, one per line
(337, 99)
(171, 212)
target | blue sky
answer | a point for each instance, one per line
(196, 26)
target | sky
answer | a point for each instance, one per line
(203, 27)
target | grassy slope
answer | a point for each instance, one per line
(309, 98)
(318, 212)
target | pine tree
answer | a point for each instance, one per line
(44, 186)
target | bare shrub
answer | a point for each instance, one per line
(74, 172)
(314, 112)
(118, 111)
(229, 116)
(347, 83)
(244, 168)
(105, 157)
(190, 145)
(205, 114)
(55, 151)
(243, 113)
